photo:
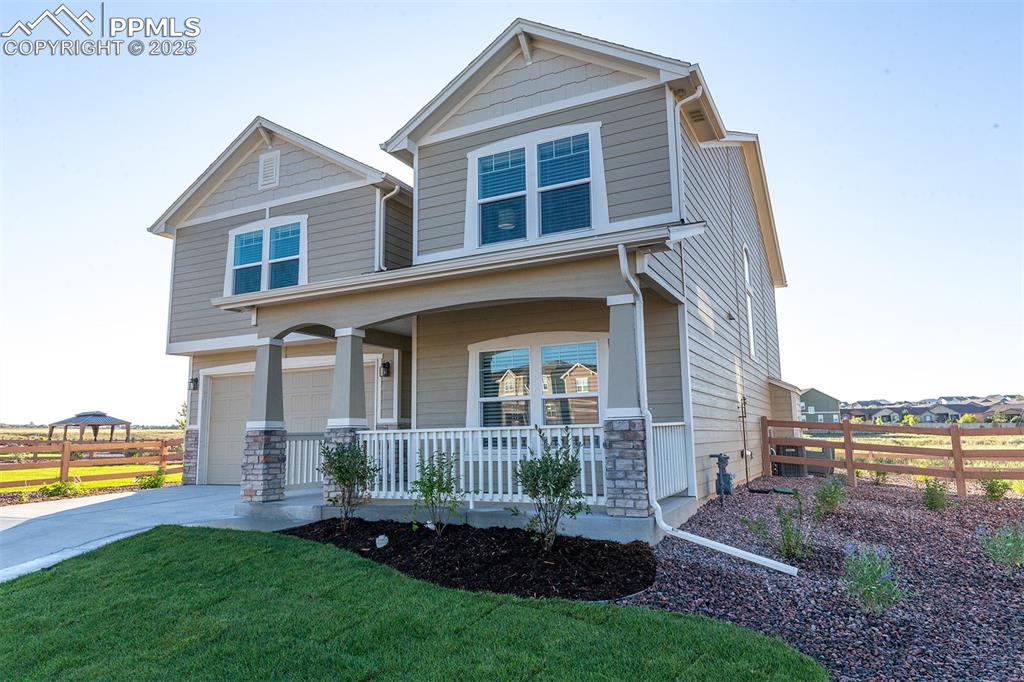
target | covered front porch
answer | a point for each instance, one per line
(489, 381)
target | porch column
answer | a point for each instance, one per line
(263, 459)
(347, 413)
(625, 435)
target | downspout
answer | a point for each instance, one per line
(679, 150)
(652, 494)
(382, 227)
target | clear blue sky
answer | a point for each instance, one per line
(891, 135)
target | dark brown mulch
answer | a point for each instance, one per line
(961, 619)
(506, 560)
(36, 496)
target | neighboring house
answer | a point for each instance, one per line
(817, 406)
(580, 221)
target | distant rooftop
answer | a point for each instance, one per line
(93, 418)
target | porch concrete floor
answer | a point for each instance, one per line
(37, 535)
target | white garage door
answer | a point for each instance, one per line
(307, 397)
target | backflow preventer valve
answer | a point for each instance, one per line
(723, 482)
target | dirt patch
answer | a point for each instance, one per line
(35, 496)
(502, 560)
(961, 620)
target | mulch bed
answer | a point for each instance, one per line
(505, 560)
(963, 618)
(35, 496)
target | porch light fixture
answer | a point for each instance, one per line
(193, 384)
(385, 370)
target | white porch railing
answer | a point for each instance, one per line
(486, 459)
(670, 470)
(302, 459)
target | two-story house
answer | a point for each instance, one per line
(584, 246)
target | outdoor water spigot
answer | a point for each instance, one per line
(723, 481)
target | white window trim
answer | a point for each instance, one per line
(536, 397)
(275, 155)
(266, 225)
(750, 302)
(529, 141)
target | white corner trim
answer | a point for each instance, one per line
(267, 341)
(343, 422)
(349, 331)
(230, 343)
(266, 225)
(621, 299)
(264, 425)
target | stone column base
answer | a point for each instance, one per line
(334, 436)
(263, 462)
(625, 468)
(190, 457)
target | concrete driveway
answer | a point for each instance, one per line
(39, 534)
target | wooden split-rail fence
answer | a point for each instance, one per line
(859, 454)
(167, 456)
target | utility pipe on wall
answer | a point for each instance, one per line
(382, 228)
(652, 493)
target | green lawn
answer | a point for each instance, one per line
(177, 603)
(130, 471)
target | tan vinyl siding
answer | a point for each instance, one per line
(398, 231)
(635, 144)
(721, 369)
(666, 267)
(549, 78)
(341, 243)
(300, 172)
(664, 376)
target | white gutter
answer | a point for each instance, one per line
(682, 171)
(652, 494)
(382, 227)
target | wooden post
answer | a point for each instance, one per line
(851, 472)
(958, 460)
(766, 449)
(65, 460)
(163, 455)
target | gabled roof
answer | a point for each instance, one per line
(260, 133)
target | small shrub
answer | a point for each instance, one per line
(995, 488)
(756, 526)
(934, 496)
(1018, 487)
(348, 465)
(549, 479)
(871, 578)
(437, 490)
(1005, 546)
(23, 496)
(155, 480)
(879, 477)
(62, 489)
(828, 497)
(793, 534)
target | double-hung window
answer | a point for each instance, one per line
(536, 185)
(268, 254)
(536, 379)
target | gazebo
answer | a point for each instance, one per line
(92, 420)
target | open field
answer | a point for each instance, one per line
(39, 433)
(177, 603)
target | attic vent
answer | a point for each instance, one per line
(697, 115)
(269, 170)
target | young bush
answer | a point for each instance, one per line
(934, 496)
(793, 536)
(995, 489)
(437, 490)
(1005, 546)
(827, 498)
(549, 479)
(879, 477)
(871, 578)
(155, 480)
(348, 465)
(62, 489)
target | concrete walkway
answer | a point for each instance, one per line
(39, 534)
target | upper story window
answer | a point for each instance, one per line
(536, 186)
(268, 254)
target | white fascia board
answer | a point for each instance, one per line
(529, 256)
